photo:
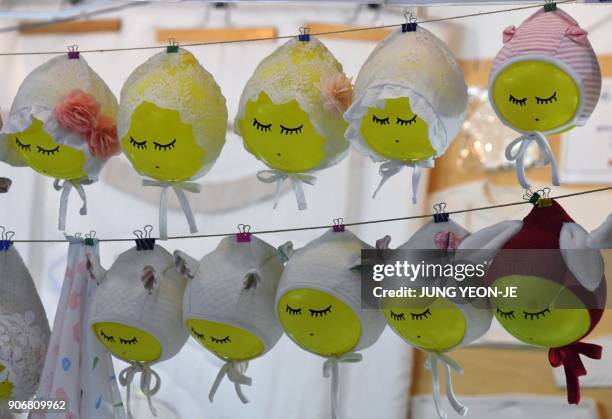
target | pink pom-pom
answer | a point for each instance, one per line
(509, 33)
(338, 93)
(102, 139)
(577, 34)
(78, 112)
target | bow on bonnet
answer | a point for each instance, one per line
(574, 33)
(80, 113)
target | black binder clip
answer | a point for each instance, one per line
(532, 197)
(144, 241)
(440, 216)
(244, 233)
(411, 24)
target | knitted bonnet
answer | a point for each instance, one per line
(330, 264)
(143, 290)
(300, 74)
(418, 66)
(73, 107)
(235, 285)
(24, 329)
(327, 264)
(446, 237)
(554, 37)
(548, 244)
(549, 38)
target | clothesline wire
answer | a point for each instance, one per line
(328, 226)
(271, 38)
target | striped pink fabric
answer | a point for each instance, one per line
(557, 37)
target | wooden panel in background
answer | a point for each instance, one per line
(79, 26)
(371, 35)
(215, 34)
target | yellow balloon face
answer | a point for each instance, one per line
(536, 96)
(224, 340)
(431, 324)
(281, 135)
(160, 145)
(319, 322)
(6, 388)
(128, 343)
(46, 156)
(397, 133)
(531, 317)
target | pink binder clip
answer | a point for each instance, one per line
(243, 235)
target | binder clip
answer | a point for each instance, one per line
(545, 201)
(144, 241)
(5, 239)
(411, 24)
(73, 52)
(532, 197)
(244, 233)
(440, 216)
(338, 226)
(550, 6)
(89, 238)
(172, 47)
(304, 35)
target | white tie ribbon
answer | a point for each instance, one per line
(392, 167)
(126, 377)
(271, 176)
(235, 373)
(518, 156)
(66, 187)
(332, 367)
(4, 375)
(179, 189)
(432, 365)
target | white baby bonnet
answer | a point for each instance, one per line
(236, 284)
(130, 295)
(24, 329)
(328, 264)
(416, 65)
(446, 236)
(38, 96)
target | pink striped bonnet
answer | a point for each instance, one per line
(555, 37)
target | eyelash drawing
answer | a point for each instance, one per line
(420, 316)
(128, 341)
(21, 145)
(138, 144)
(291, 131)
(108, 338)
(506, 315)
(384, 121)
(320, 313)
(197, 335)
(164, 147)
(293, 311)
(535, 316)
(224, 340)
(261, 127)
(47, 152)
(551, 99)
(411, 121)
(520, 102)
(398, 317)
